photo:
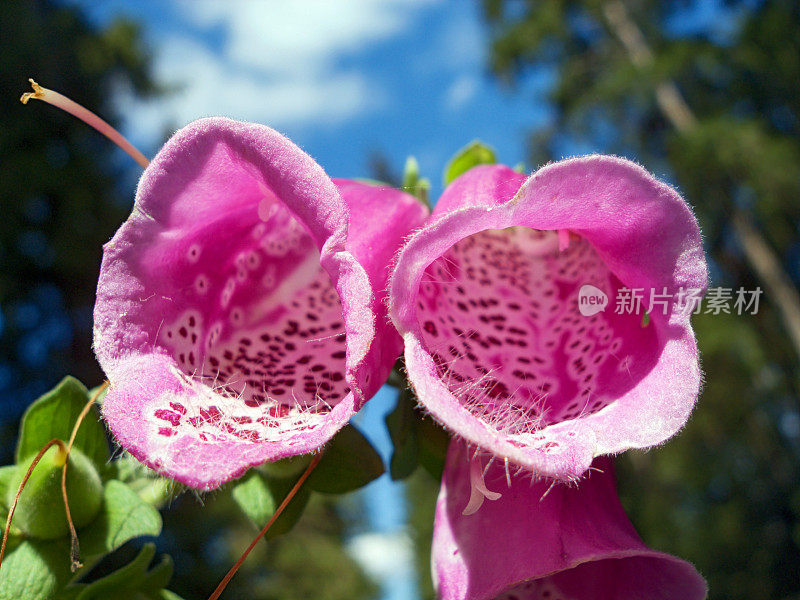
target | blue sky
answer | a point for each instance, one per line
(341, 79)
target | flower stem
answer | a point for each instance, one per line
(87, 116)
(225, 580)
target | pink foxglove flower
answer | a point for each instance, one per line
(499, 347)
(240, 312)
(571, 542)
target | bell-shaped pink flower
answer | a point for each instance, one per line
(522, 304)
(536, 542)
(240, 311)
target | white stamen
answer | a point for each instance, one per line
(478, 490)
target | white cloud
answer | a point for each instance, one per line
(383, 555)
(206, 85)
(461, 91)
(281, 35)
(279, 63)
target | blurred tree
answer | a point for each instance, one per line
(310, 561)
(705, 93)
(422, 491)
(60, 199)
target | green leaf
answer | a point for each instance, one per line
(128, 469)
(259, 497)
(34, 569)
(7, 475)
(413, 184)
(410, 173)
(417, 439)
(402, 425)
(133, 581)
(54, 415)
(124, 516)
(473, 154)
(156, 491)
(349, 462)
(433, 442)
(149, 485)
(286, 468)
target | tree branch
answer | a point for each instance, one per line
(760, 257)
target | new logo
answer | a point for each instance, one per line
(591, 300)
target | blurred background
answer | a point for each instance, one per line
(704, 93)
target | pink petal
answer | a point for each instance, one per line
(569, 542)
(235, 319)
(486, 299)
(380, 220)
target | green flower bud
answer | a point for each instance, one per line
(40, 511)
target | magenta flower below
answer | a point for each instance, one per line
(240, 312)
(486, 297)
(568, 542)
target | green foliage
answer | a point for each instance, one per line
(413, 183)
(259, 497)
(403, 428)
(53, 415)
(40, 510)
(285, 567)
(349, 462)
(106, 512)
(331, 577)
(34, 569)
(417, 440)
(146, 483)
(473, 154)
(118, 503)
(288, 467)
(421, 494)
(135, 581)
(7, 474)
(124, 516)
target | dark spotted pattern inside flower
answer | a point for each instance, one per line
(263, 343)
(499, 316)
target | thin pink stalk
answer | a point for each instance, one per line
(87, 116)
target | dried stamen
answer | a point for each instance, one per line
(74, 549)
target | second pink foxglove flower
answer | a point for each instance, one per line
(497, 348)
